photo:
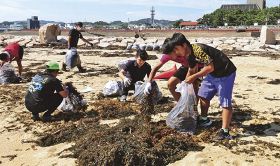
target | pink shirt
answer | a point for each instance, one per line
(179, 59)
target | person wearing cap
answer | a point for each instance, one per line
(72, 57)
(45, 92)
(14, 52)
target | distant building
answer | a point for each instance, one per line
(251, 5)
(242, 7)
(16, 26)
(33, 23)
(261, 3)
(188, 25)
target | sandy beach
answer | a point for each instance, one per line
(255, 125)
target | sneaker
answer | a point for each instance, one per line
(36, 117)
(204, 123)
(123, 98)
(221, 135)
(48, 118)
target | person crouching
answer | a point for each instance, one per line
(45, 93)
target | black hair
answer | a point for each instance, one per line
(80, 24)
(3, 56)
(51, 70)
(142, 54)
(170, 43)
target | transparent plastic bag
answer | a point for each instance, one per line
(139, 95)
(113, 88)
(74, 102)
(7, 74)
(183, 117)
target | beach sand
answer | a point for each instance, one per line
(256, 93)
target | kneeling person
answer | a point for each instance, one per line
(45, 92)
(134, 71)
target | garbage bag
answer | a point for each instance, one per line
(113, 88)
(7, 74)
(139, 95)
(74, 102)
(72, 59)
(183, 117)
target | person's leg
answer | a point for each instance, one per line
(79, 64)
(34, 109)
(226, 117)
(225, 88)
(172, 83)
(21, 52)
(204, 106)
(53, 104)
(206, 92)
(179, 76)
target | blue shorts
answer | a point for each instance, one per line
(221, 86)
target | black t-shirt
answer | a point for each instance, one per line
(205, 54)
(42, 88)
(75, 35)
(136, 73)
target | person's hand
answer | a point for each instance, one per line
(126, 82)
(190, 79)
(148, 88)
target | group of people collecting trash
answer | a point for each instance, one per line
(207, 69)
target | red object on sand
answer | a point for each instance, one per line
(166, 74)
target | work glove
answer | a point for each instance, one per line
(126, 82)
(148, 88)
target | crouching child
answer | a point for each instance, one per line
(133, 71)
(45, 93)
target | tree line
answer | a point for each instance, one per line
(236, 17)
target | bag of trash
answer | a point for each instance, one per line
(72, 59)
(183, 117)
(113, 88)
(139, 95)
(7, 74)
(74, 102)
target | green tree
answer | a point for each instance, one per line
(177, 23)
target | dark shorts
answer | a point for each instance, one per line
(181, 73)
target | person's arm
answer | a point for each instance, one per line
(85, 40)
(64, 93)
(121, 74)
(204, 71)
(19, 66)
(154, 71)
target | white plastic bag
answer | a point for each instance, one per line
(7, 74)
(113, 88)
(139, 95)
(183, 117)
(74, 102)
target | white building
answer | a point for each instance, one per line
(16, 26)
